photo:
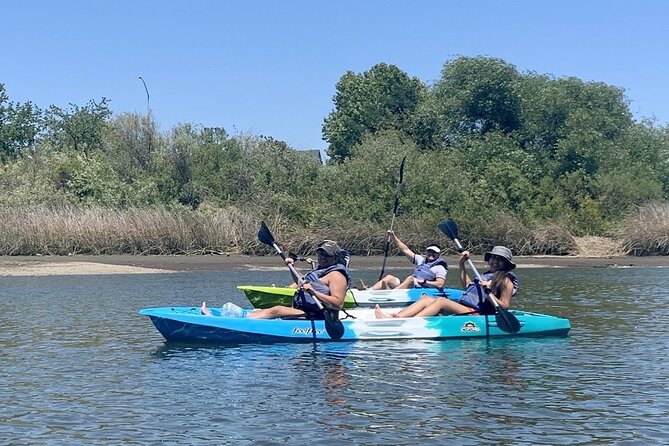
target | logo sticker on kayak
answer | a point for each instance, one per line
(470, 327)
(306, 331)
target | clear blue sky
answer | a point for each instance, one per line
(270, 67)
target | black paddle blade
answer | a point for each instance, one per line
(264, 235)
(507, 321)
(449, 228)
(402, 169)
(333, 326)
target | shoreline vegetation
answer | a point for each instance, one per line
(69, 230)
(542, 165)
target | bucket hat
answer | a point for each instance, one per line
(501, 251)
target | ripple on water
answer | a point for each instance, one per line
(79, 366)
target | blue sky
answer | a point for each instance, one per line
(270, 67)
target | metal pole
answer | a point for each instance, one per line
(148, 109)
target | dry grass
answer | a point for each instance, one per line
(646, 233)
(69, 230)
(503, 229)
(592, 246)
(65, 231)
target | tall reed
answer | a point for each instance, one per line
(646, 232)
(70, 230)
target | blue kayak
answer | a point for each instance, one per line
(186, 324)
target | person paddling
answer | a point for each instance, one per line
(498, 280)
(328, 283)
(430, 272)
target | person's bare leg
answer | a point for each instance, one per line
(406, 284)
(204, 310)
(416, 307)
(388, 282)
(442, 305)
(380, 314)
(409, 311)
(275, 312)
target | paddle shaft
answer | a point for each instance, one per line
(392, 221)
(505, 320)
(492, 298)
(299, 280)
(333, 326)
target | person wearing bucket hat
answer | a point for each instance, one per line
(328, 283)
(430, 271)
(503, 252)
(498, 280)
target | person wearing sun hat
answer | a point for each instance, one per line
(504, 253)
(430, 271)
(497, 280)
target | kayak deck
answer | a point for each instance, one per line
(186, 324)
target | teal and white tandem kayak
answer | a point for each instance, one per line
(186, 324)
(268, 296)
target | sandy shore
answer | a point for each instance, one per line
(127, 264)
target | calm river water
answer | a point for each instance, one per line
(79, 366)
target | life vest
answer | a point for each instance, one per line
(306, 302)
(424, 271)
(471, 296)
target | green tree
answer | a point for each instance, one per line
(20, 125)
(476, 95)
(382, 98)
(78, 128)
(574, 123)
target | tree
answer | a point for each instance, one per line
(474, 96)
(382, 98)
(573, 122)
(79, 128)
(19, 126)
(130, 141)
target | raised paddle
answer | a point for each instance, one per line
(506, 321)
(392, 222)
(334, 327)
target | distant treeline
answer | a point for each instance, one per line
(521, 159)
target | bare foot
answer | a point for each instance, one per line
(362, 285)
(380, 314)
(204, 310)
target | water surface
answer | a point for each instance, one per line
(80, 367)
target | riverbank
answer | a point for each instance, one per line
(128, 264)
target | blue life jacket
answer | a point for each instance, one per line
(306, 302)
(423, 270)
(470, 297)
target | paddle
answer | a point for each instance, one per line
(506, 321)
(392, 222)
(334, 327)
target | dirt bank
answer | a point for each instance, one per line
(122, 264)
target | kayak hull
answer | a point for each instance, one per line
(267, 296)
(186, 324)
